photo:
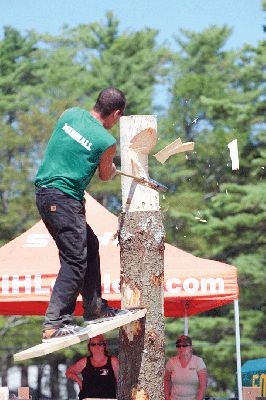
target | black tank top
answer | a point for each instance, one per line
(98, 382)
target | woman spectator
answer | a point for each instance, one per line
(96, 374)
(186, 375)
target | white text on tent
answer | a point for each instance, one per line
(28, 284)
(194, 285)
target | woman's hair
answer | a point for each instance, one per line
(184, 339)
(102, 339)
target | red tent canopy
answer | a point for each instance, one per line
(29, 266)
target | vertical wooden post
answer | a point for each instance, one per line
(141, 237)
(24, 393)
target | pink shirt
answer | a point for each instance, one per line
(184, 381)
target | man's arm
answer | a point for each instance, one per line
(107, 168)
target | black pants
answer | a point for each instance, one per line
(78, 248)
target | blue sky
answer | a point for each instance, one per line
(167, 16)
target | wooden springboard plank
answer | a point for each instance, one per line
(86, 333)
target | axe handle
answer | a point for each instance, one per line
(146, 182)
(136, 178)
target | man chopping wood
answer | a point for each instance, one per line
(80, 143)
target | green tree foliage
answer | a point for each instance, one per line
(131, 61)
(216, 212)
(201, 68)
(19, 79)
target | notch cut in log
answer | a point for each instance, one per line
(173, 148)
(133, 162)
(144, 141)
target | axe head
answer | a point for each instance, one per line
(151, 183)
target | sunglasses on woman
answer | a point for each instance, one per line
(97, 344)
(183, 345)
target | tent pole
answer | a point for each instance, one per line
(186, 325)
(238, 355)
(186, 305)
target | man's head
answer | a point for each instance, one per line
(109, 106)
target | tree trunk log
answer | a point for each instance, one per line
(141, 352)
(141, 237)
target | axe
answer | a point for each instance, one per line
(151, 183)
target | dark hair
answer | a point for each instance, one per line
(109, 100)
(182, 339)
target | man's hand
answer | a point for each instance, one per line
(113, 171)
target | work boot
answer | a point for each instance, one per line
(61, 332)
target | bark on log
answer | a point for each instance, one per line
(141, 351)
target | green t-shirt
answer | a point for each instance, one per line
(73, 152)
